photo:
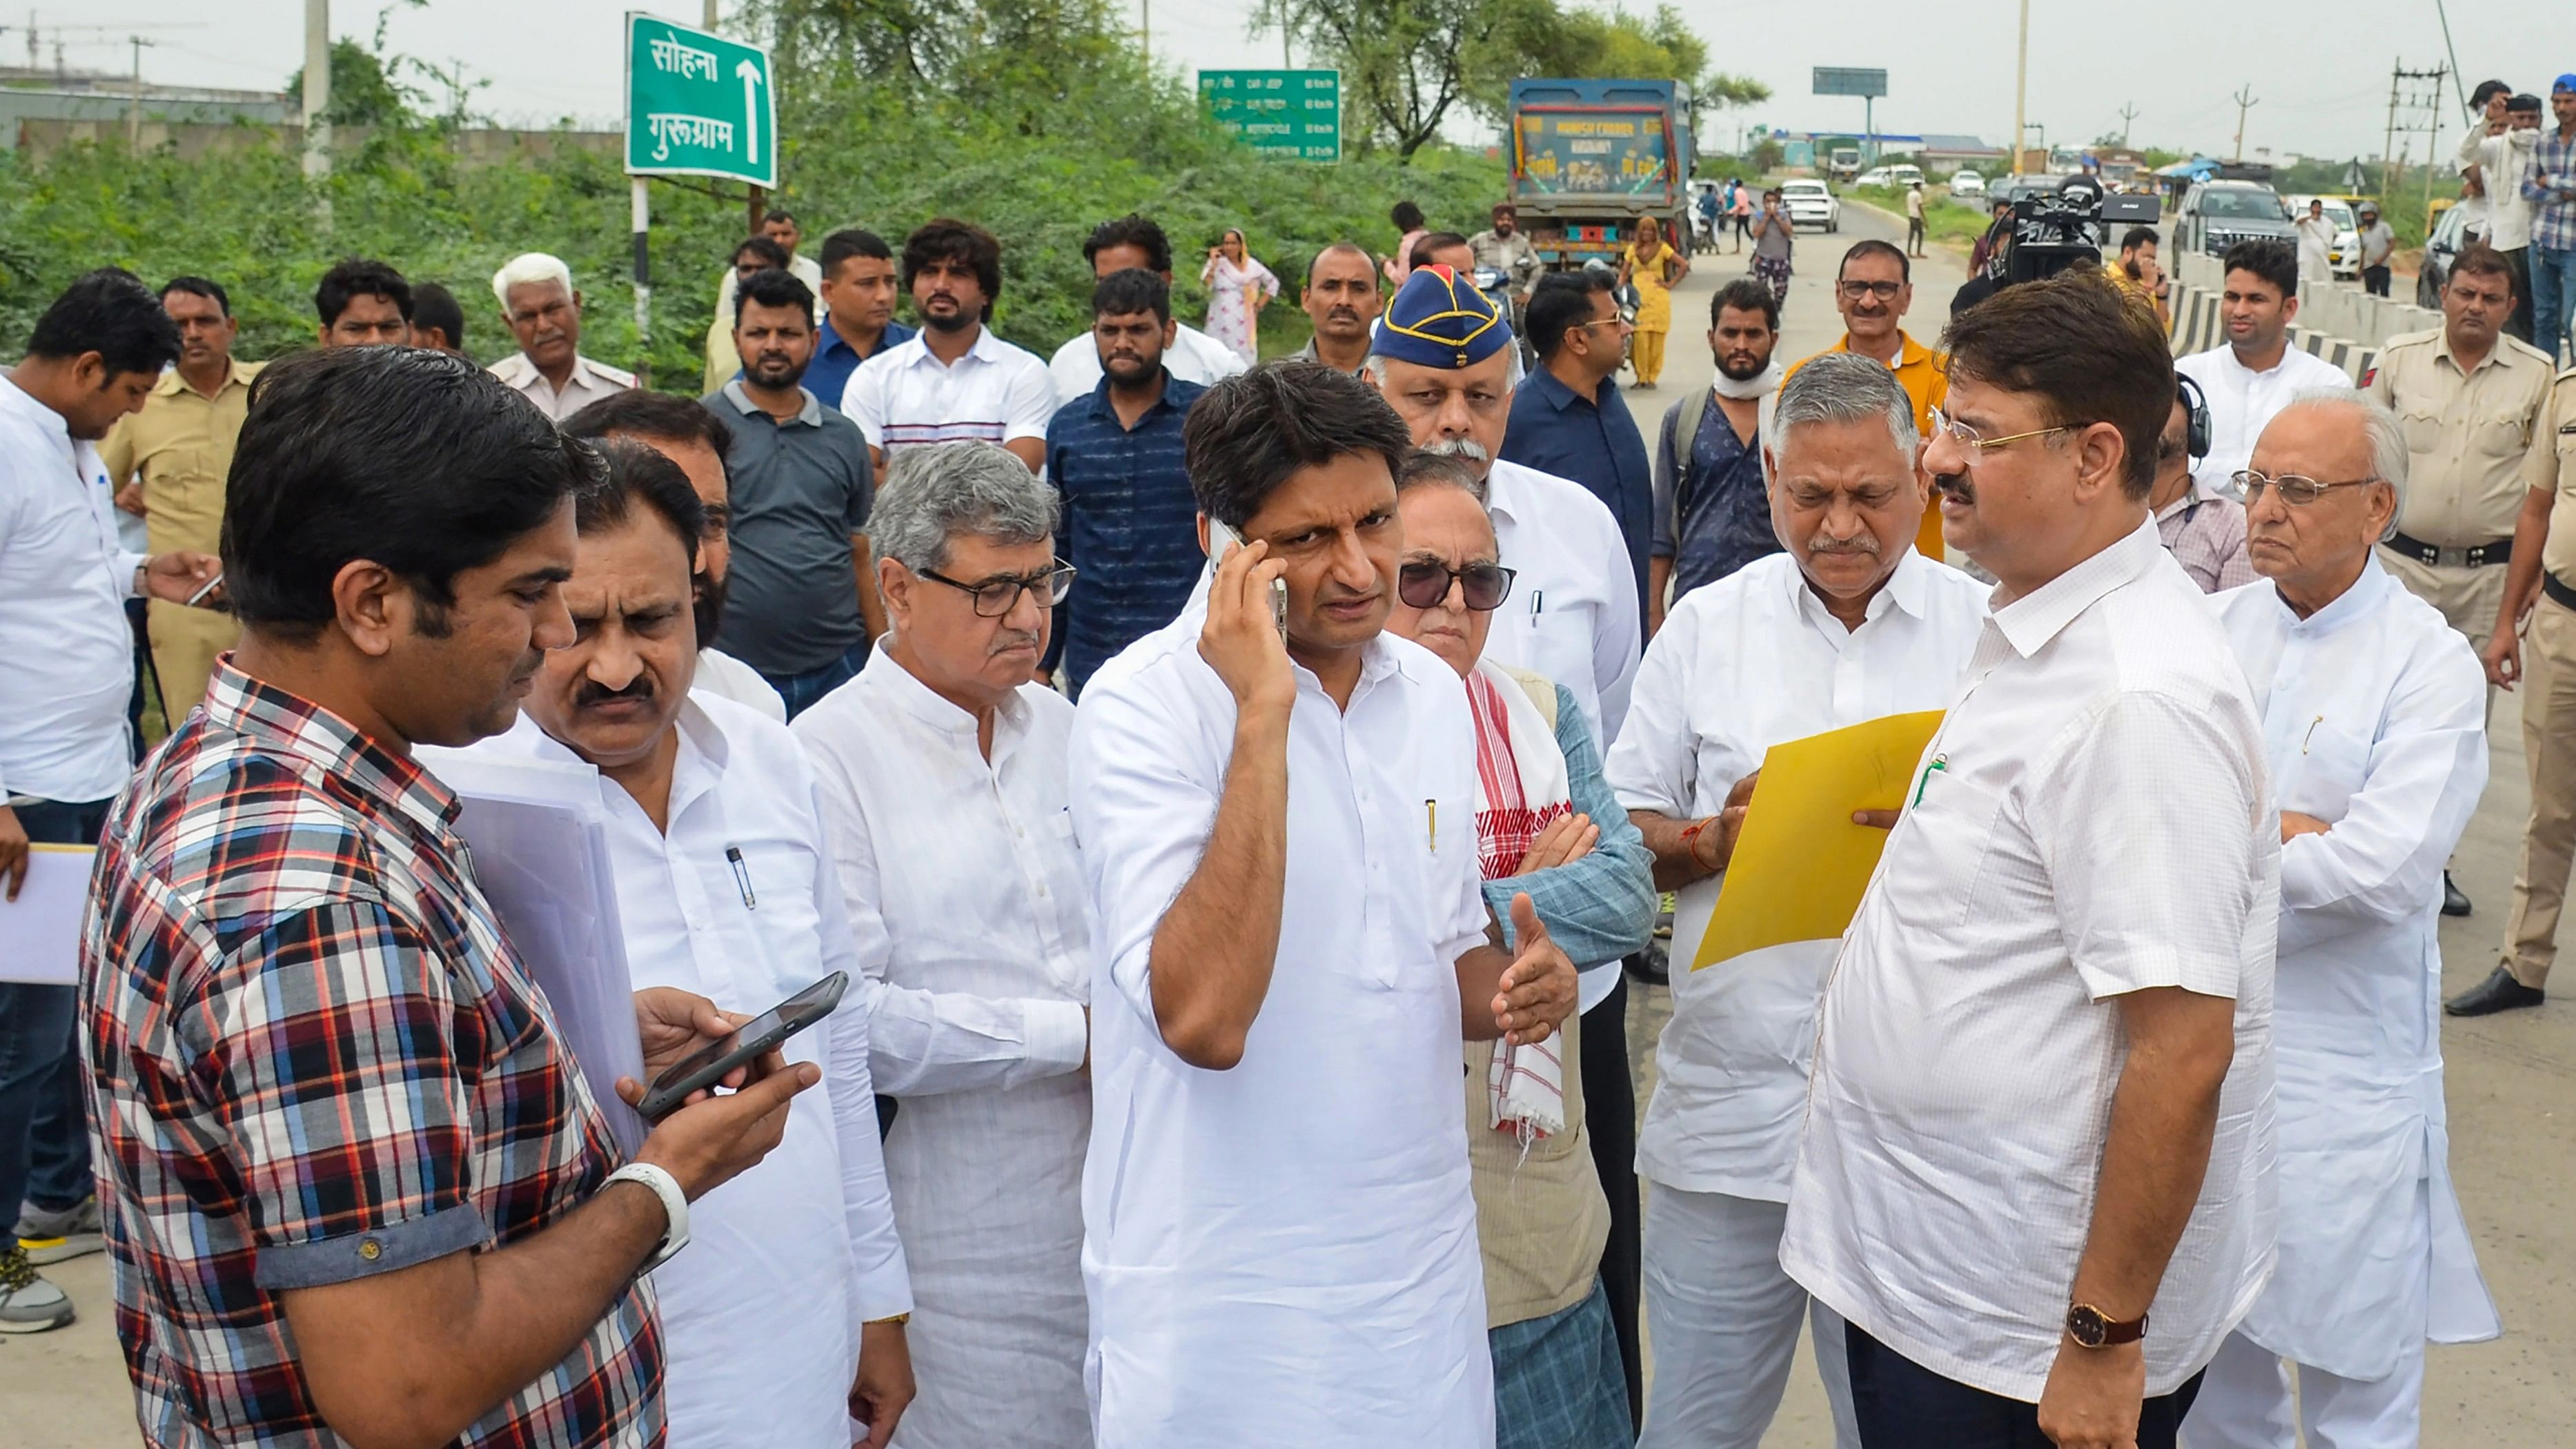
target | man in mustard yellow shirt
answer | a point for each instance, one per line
(1872, 289)
(179, 449)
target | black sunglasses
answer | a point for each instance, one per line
(1425, 585)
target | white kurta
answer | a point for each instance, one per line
(1285, 1254)
(761, 1311)
(1743, 664)
(969, 911)
(1572, 616)
(2373, 720)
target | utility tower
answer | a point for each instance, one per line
(2245, 100)
(2414, 105)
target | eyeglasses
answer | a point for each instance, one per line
(997, 597)
(1945, 426)
(1884, 291)
(2297, 491)
(1425, 585)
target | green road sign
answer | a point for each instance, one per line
(1293, 114)
(698, 105)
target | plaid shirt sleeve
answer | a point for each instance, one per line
(331, 1061)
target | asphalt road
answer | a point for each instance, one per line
(2509, 1075)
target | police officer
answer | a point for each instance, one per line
(2470, 397)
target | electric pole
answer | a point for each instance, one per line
(317, 89)
(134, 105)
(2021, 89)
(2128, 113)
(2245, 100)
(2388, 143)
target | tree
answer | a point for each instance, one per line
(1406, 63)
(363, 89)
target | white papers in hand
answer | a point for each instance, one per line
(40, 930)
(538, 835)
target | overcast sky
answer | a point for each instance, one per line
(2322, 86)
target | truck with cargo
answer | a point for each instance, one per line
(1589, 157)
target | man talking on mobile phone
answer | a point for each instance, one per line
(357, 1191)
(1279, 830)
(786, 1318)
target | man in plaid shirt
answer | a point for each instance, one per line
(360, 1192)
(2550, 186)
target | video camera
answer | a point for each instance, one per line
(2053, 230)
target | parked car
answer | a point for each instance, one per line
(2345, 254)
(1811, 203)
(2216, 215)
(2443, 247)
(1967, 184)
(1875, 176)
(1904, 173)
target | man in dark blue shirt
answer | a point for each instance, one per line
(858, 311)
(1568, 417)
(1712, 511)
(1130, 517)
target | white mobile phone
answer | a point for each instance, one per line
(198, 599)
(1278, 587)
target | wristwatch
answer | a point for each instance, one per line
(2092, 1328)
(675, 1208)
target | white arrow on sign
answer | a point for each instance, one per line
(750, 74)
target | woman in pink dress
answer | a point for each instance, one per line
(1237, 287)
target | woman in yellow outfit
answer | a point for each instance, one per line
(1654, 269)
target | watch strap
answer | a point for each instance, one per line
(675, 1208)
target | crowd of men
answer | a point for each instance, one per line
(1190, 766)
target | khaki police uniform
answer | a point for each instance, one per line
(2470, 459)
(181, 446)
(2549, 711)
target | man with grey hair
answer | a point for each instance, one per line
(2374, 722)
(544, 312)
(942, 774)
(1849, 624)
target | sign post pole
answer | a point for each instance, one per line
(640, 209)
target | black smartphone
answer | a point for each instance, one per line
(707, 1065)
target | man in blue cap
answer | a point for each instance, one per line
(2550, 186)
(1443, 357)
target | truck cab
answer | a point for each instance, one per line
(1845, 163)
(1589, 157)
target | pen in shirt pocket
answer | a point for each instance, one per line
(741, 877)
(1939, 765)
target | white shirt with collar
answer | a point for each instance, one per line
(1743, 664)
(2504, 160)
(64, 580)
(588, 382)
(726, 677)
(2242, 402)
(904, 396)
(1193, 356)
(761, 1312)
(1285, 1254)
(972, 918)
(2374, 721)
(2092, 819)
(1572, 616)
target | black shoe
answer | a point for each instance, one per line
(2499, 992)
(1653, 965)
(2454, 901)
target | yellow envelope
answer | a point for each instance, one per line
(1801, 865)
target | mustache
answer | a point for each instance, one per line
(1010, 639)
(1865, 544)
(1956, 485)
(1467, 448)
(592, 693)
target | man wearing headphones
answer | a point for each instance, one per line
(2202, 529)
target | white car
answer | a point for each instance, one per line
(1967, 183)
(1876, 176)
(1811, 203)
(1903, 174)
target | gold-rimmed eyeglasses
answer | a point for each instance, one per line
(1976, 445)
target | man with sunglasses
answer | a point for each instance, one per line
(1873, 289)
(942, 775)
(2374, 727)
(1850, 623)
(2040, 1101)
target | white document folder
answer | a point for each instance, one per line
(538, 837)
(40, 931)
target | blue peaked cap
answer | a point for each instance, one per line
(1438, 320)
